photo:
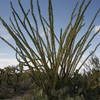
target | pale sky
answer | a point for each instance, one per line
(62, 11)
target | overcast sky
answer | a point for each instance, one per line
(62, 11)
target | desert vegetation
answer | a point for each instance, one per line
(52, 60)
(85, 86)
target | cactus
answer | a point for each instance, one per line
(56, 64)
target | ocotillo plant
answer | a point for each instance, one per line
(57, 63)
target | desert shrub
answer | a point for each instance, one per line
(52, 63)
